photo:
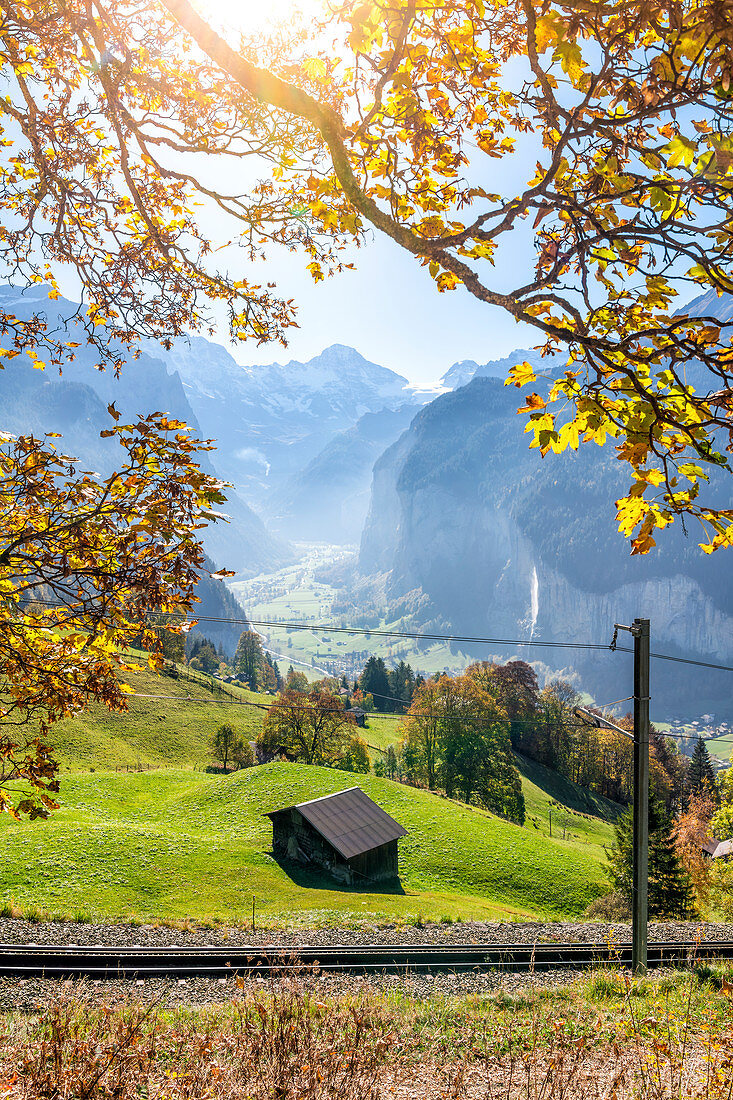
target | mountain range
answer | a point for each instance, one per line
(75, 405)
(461, 526)
(270, 421)
(484, 537)
(328, 499)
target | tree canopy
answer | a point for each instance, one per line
(701, 773)
(84, 561)
(313, 728)
(456, 735)
(611, 120)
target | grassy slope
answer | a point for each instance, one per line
(159, 732)
(587, 817)
(171, 844)
(181, 844)
(170, 732)
(722, 747)
(381, 731)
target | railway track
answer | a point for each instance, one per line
(32, 961)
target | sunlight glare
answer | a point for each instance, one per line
(253, 16)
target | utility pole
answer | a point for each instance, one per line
(640, 631)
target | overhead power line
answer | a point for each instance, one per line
(330, 628)
(378, 632)
(691, 661)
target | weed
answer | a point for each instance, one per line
(279, 1044)
(720, 976)
(604, 985)
(8, 908)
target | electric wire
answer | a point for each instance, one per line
(379, 632)
(327, 628)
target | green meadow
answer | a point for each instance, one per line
(144, 833)
(176, 845)
(169, 723)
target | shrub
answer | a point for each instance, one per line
(611, 907)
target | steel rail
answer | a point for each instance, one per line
(104, 962)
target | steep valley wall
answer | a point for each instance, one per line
(505, 544)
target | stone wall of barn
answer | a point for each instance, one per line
(295, 838)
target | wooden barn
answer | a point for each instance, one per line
(347, 833)
(717, 849)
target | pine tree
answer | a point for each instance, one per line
(402, 685)
(374, 681)
(670, 890)
(700, 775)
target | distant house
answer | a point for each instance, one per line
(347, 833)
(718, 849)
(359, 715)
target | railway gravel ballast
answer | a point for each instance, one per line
(103, 962)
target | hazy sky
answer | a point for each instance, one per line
(389, 310)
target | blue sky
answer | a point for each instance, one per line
(389, 309)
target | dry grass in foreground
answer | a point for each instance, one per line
(605, 1038)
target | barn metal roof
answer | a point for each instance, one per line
(717, 849)
(349, 821)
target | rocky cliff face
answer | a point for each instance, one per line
(505, 544)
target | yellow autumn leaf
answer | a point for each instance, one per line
(520, 375)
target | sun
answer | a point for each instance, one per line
(251, 16)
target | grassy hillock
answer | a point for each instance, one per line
(170, 728)
(178, 844)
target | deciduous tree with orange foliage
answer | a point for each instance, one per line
(84, 560)
(456, 735)
(314, 728)
(691, 831)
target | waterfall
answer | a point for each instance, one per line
(534, 598)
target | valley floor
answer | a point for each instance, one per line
(298, 593)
